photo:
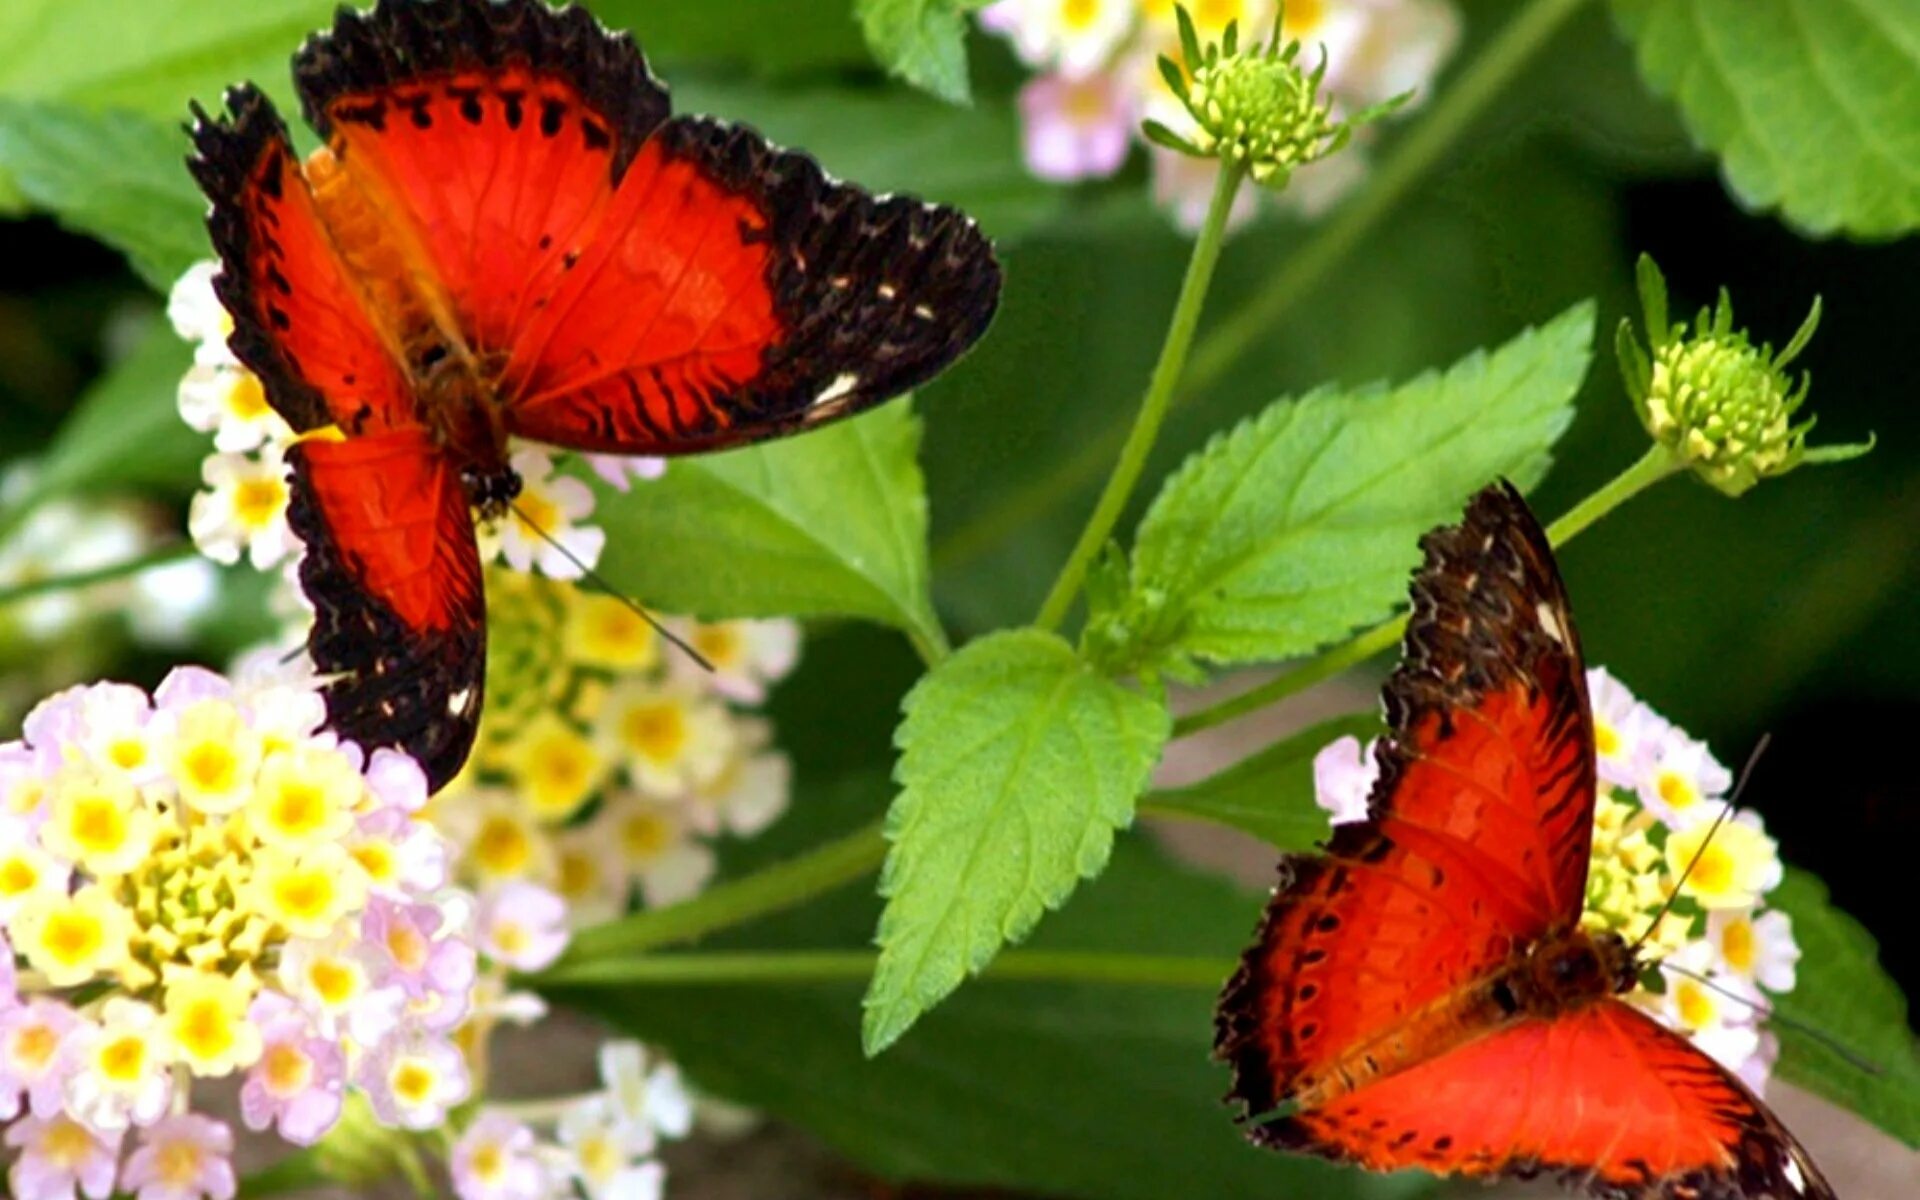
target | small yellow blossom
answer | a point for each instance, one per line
(555, 766)
(310, 892)
(72, 939)
(206, 1017)
(1733, 869)
(606, 633)
(98, 822)
(304, 796)
(214, 757)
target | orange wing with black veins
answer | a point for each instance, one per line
(1605, 1097)
(1478, 834)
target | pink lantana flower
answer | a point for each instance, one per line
(300, 1078)
(621, 470)
(187, 1157)
(60, 1157)
(523, 925)
(1076, 128)
(496, 1159)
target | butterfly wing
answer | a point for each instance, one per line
(635, 284)
(1604, 1096)
(394, 575)
(1477, 839)
(300, 321)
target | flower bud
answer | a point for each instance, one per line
(1716, 401)
(1255, 108)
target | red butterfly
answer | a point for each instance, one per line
(505, 233)
(1422, 994)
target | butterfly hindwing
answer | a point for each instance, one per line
(393, 572)
(1605, 1097)
(1477, 836)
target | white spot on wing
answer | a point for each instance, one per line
(1550, 621)
(839, 389)
(460, 701)
(887, 291)
(1795, 1180)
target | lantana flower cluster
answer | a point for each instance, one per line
(1660, 794)
(608, 760)
(1098, 79)
(202, 885)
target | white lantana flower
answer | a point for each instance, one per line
(542, 529)
(745, 655)
(607, 1152)
(119, 1071)
(230, 403)
(655, 1097)
(197, 315)
(1760, 948)
(1626, 733)
(658, 846)
(672, 739)
(1721, 1019)
(1732, 869)
(1682, 782)
(244, 509)
(1075, 36)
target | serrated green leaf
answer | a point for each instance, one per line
(1269, 794)
(833, 523)
(1018, 762)
(116, 176)
(922, 41)
(1843, 992)
(1302, 523)
(1812, 105)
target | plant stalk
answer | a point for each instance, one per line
(1153, 409)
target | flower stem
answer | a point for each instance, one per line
(836, 966)
(1428, 142)
(1656, 464)
(1153, 409)
(773, 889)
(96, 575)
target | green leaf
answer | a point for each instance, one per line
(1302, 523)
(1810, 104)
(922, 41)
(830, 524)
(116, 176)
(1269, 794)
(775, 37)
(1843, 992)
(1103, 1092)
(1017, 764)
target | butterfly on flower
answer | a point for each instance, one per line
(1423, 994)
(506, 234)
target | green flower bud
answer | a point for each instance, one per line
(1257, 108)
(1716, 401)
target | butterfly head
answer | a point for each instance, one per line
(1574, 967)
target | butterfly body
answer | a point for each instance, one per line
(1423, 994)
(507, 234)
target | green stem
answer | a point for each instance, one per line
(779, 887)
(854, 966)
(1427, 143)
(1153, 410)
(1650, 469)
(96, 575)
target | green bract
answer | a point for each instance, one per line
(1257, 109)
(1717, 402)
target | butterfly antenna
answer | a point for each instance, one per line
(1851, 1058)
(599, 581)
(1726, 810)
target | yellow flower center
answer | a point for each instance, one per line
(1712, 871)
(657, 731)
(334, 982)
(502, 847)
(1606, 740)
(124, 1059)
(1078, 15)
(26, 796)
(18, 876)
(97, 825)
(304, 893)
(34, 1046)
(377, 860)
(72, 938)
(299, 810)
(205, 1030)
(488, 1163)
(1303, 17)
(579, 874)
(127, 753)
(645, 834)
(1677, 791)
(599, 1157)
(1695, 1007)
(510, 936)
(66, 1143)
(179, 1163)
(210, 767)
(287, 1070)
(406, 946)
(247, 400)
(536, 514)
(413, 1081)
(1737, 945)
(724, 644)
(257, 502)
